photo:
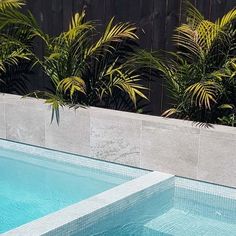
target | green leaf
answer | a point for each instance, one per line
(72, 84)
(10, 4)
(226, 106)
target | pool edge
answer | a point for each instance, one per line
(70, 219)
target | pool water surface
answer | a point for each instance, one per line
(189, 208)
(31, 188)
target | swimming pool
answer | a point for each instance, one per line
(51, 193)
(185, 208)
(35, 182)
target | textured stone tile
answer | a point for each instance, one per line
(170, 148)
(219, 131)
(72, 133)
(115, 138)
(217, 159)
(1, 97)
(19, 100)
(25, 123)
(2, 120)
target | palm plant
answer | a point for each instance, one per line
(90, 69)
(85, 68)
(201, 75)
(15, 43)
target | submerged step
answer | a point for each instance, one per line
(177, 222)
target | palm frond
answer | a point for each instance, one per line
(125, 80)
(56, 102)
(13, 17)
(11, 52)
(13, 58)
(77, 20)
(77, 26)
(227, 19)
(194, 17)
(170, 112)
(203, 94)
(226, 106)
(116, 33)
(199, 36)
(72, 84)
(187, 39)
(11, 4)
(154, 61)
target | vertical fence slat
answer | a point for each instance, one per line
(158, 43)
(67, 12)
(219, 6)
(171, 22)
(56, 25)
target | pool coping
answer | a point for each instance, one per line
(206, 187)
(41, 153)
(72, 218)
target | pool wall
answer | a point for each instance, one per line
(168, 145)
(77, 218)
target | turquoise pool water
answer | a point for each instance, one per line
(31, 188)
(35, 182)
(183, 210)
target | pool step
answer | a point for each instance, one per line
(182, 223)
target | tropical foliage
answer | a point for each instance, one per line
(201, 75)
(85, 71)
(85, 67)
(15, 44)
(88, 67)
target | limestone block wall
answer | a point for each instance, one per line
(168, 145)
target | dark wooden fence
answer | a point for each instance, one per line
(156, 20)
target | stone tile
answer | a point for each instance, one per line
(19, 100)
(1, 97)
(72, 133)
(115, 138)
(217, 159)
(25, 123)
(2, 121)
(219, 131)
(170, 148)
